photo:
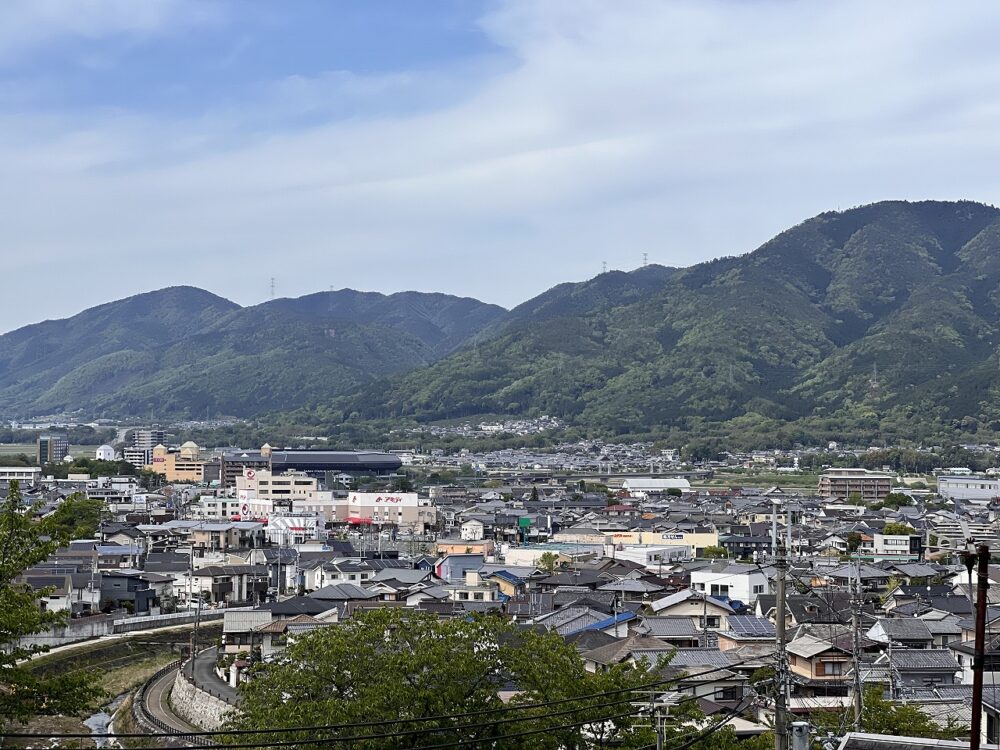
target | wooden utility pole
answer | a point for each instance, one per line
(982, 589)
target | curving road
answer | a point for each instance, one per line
(206, 678)
(157, 705)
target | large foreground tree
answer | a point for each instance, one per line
(383, 668)
(24, 542)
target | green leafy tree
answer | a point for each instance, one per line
(853, 541)
(77, 517)
(897, 500)
(714, 553)
(854, 499)
(898, 529)
(548, 562)
(882, 716)
(23, 543)
(386, 665)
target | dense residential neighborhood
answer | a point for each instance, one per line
(628, 568)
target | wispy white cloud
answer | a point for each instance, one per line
(681, 129)
(27, 25)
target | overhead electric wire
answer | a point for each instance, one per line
(454, 743)
(356, 725)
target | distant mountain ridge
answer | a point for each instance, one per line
(185, 351)
(879, 320)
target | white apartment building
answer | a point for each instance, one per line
(731, 580)
(25, 475)
(280, 489)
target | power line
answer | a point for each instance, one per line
(455, 743)
(370, 724)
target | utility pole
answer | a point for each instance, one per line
(800, 735)
(774, 528)
(781, 668)
(983, 573)
(856, 627)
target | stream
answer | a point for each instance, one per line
(98, 723)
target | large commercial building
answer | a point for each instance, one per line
(52, 448)
(184, 465)
(969, 488)
(872, 486)
(403, 510)
(346, 462)
(316, 463)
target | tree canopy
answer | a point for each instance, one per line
(384, 668)
(23, 543)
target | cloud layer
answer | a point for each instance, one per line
(581, 132)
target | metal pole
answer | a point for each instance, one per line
(780, 672)
(800, 735)
(774, 528)
(788, 528)
(983, 572)
(856, 627)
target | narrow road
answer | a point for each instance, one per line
(157, 705)
(206, 679)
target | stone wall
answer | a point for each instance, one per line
(197, 706)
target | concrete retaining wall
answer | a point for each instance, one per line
(73, 631)
(197, 706)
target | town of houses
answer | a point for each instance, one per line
(280, 542)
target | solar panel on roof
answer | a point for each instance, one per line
(749, 625)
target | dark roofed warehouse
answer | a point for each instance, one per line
(353, 462)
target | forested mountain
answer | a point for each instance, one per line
(185, 352)
(881, 320)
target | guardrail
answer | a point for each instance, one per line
(144, 716)
(189, 676)
(148, 622)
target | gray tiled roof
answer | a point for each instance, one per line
(908, 628)
(923, 658)
(699, 657)
(666, 627)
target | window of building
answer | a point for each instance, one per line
(833, 667)
(728, 694)
(758, 589)
(720, 590)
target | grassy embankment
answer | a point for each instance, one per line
(118, 667)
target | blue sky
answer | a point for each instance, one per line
(490, 149)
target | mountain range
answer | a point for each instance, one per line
(877, 321)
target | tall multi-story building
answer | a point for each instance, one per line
(137, 457)
(140, 453)
(872, 486)
(52, 448)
